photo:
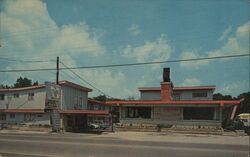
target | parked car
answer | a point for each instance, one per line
(94, 126)
(98, 125)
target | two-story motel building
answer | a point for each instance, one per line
(26, 106)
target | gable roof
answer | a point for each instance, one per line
(64, 82)
(210, 87)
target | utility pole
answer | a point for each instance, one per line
(57, 70)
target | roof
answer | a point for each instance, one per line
(73, 85)
(22, 110)
(64, 82)
(96, 101)
(195, 88)
(179, 102)
(89, 112)
(211, 87)
(149, 88)
(22, 89)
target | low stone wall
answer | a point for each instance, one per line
(42, 128)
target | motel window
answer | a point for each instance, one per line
(199, 95)
(139, 112)
(31, 96)
(1, 96)
(16, 95)
(12, 115)
(2, 116)
(39, 115)
(177, 96)
(29, 117)
(198, 113)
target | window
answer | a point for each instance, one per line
(177, 96)
(39, 115)
(198, 113)
(16, 95)
(12, 115)
(199, 95)
(139, 112)
(3, 116)
(1, 96)
(31, 96)
(29, 117)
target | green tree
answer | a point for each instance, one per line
(100, 98)
(22, 82)
(35, 83)
(244, 107)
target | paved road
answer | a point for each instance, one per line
(81, 145)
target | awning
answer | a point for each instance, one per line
(84, 112)
(21, 111)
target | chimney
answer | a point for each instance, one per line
(166, 75)
(166, 86)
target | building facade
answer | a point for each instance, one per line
(169, 105)
(26, 106)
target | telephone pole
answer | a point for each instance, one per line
(57, 70)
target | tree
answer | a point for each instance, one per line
(22, 82)
(100, 98)
(35, 83)
(219, 96)
(4, 86)
(131, 98)
(244, 107)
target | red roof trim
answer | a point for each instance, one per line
(64, 82)
(22, 89)
(195, 88)
(89, 112)
(149, 88)
(182, 102)
(178, 88)
(22, 110)
(96, 101)
(73, 85)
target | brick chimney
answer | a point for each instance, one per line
(166, 86)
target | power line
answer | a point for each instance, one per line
(20, 60)
(131, 64)
(85, 81)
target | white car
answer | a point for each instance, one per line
(94, 126)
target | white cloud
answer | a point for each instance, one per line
(236, 44)
(191, 82)
(30, 33)
(150, 51)
(28, 27)
(225, 33)
(234, 88)
(134, 30)
(192, 64)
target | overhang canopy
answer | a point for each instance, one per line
(181, 102)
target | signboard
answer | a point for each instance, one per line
(53, 95)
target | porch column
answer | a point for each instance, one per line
(120, 111)
(233, 112)
(220, 114)
(181, 110)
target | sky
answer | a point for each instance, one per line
(98, 32)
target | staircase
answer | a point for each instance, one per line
(55, 118)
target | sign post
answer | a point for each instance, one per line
(52, 104)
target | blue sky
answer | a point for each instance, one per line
(97, 32)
